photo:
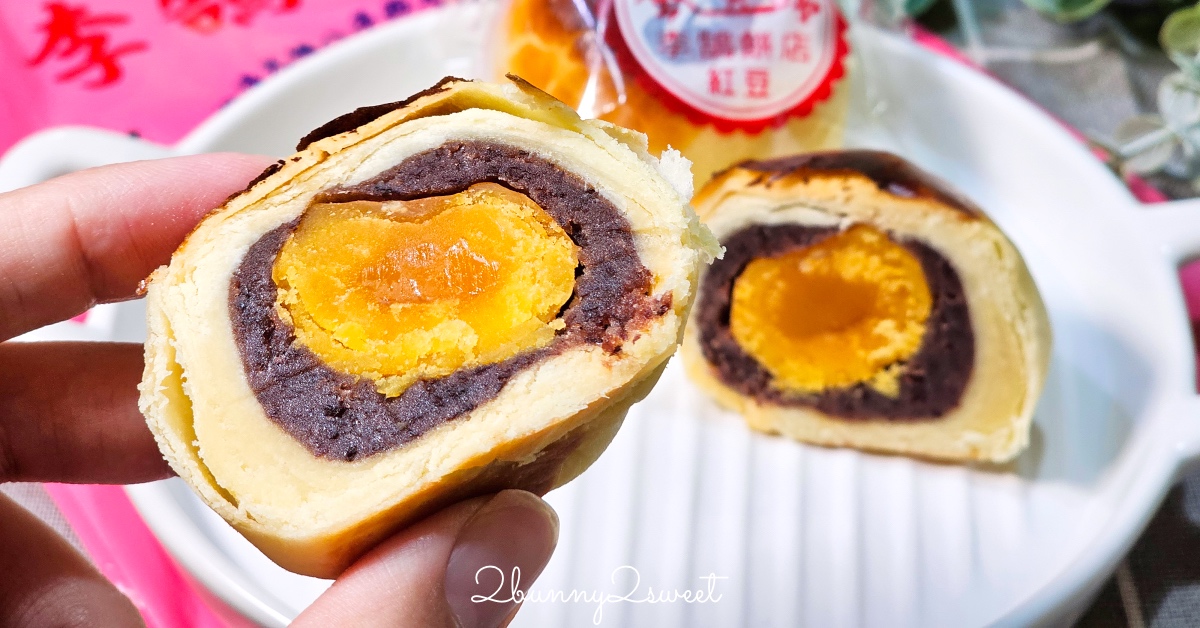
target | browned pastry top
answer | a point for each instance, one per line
(362, 115)
(890, 173)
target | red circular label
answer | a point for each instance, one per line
(735, 64)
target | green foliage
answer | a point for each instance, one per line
(1180, 39)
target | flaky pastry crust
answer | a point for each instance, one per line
(1012, 332)
(314, 515)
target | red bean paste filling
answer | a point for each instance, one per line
(932, 381)
(340, 416)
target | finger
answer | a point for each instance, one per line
(91, 236)
(426, 575)
(45, 582)
(68, 413)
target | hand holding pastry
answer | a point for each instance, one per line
(68, 412)
(434, 299)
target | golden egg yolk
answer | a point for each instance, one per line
(400, 291)
(843, 311)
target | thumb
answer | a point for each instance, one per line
(427, 574)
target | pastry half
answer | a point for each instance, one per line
(862, 303)
(433, 299)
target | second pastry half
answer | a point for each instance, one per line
(863, 303)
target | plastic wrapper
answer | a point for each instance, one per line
(720, 80)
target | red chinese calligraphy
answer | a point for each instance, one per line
(720, 82)
(756, 45)
(735, 8)
(807, 9)
(674, 44)
(666, 8)
(757, 82)
(207, 16)
(716, 44)
(77, 35)
(796, 47)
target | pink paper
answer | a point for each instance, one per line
(127, 553)
(157, 67)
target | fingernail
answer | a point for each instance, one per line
(499, 552)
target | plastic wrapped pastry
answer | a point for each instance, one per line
(433, 299)
(861, 303)
(720, 81)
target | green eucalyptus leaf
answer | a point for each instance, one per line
(1180, 39)
(1067, 10)
(917, 7)
(1155, 156)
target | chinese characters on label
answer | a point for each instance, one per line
(734, 59)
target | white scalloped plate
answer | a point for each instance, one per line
(802, 535)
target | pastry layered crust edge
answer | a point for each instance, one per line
(539, 459)
(1011, 328)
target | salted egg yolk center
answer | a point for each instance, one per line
(405, 290)
(843, 311)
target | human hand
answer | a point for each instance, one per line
(68, 413)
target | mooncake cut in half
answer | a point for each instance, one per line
(863, 303)
(434, 299)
